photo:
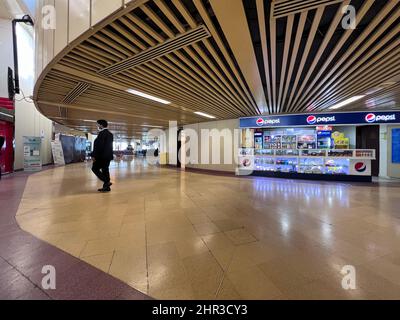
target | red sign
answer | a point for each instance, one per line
(324, 128)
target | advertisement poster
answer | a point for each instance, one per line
(32, 156)
(396, 146)
(58, 153)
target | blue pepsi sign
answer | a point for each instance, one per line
(317, 119)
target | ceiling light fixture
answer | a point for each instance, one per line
(147, 96)
(204, 115)
(346, 102)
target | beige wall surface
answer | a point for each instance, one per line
(393, 168)
(29, 121)
(230, 145)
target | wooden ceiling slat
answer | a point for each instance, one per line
(306, 52)
(288, 39)
(112, 44)
(204, 14)
(156, 19)
(227, 84)
(139, 45)
(353, 54)
(211, 74)
(107, 48)
(265, 51)
(327, 38)
(145, 27)
(175, 83)
(170, 15)
(360, 73)
(172, 69)
(339, 45)
(120, 40)
(185, 13)
(375, 81)
(300, 30)
(227, 73)
(138, 32)
(361, 78)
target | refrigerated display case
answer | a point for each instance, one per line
(311, 165)
(286, 164)
(272, 142)
(289, 142)
(324, 139)
(306, 142)
(337, 166)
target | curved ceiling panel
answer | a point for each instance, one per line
(225, 58)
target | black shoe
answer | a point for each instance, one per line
(105, 189)
(107, 185)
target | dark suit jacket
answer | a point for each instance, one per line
(103, 146)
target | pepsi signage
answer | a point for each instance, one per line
(360, 167)
(350, 118)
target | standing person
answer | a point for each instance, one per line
(102, 155)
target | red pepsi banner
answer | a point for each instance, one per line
(322, 119)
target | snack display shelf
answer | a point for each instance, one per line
(313, 153)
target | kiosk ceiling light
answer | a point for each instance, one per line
(205, 115)
(147, 96)
(346, 102)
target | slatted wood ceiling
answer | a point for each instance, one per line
(227, 58)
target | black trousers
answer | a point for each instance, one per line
(101, 169)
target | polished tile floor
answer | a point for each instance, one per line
(188, 235)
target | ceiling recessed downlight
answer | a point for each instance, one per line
(346, 102)
(205, 115)
(147, 96)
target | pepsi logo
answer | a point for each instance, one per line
(360, 167)
(370, 118)
(260, 122)
(311, 119)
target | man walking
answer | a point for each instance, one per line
(102, 155)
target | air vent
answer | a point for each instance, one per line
(181, 41)
(63, 112)
(80, 88)
(283, 8)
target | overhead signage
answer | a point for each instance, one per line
(327, 119)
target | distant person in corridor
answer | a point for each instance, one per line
(102, 155)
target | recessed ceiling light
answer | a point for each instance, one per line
(346, 102)
(204, 115)
(147, 96)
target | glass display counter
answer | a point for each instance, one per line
(347, 165)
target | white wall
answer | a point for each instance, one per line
(228, 143)
(6, 56)
(384, 151)
(28, 121)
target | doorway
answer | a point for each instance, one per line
(179, 144)
(368, 137)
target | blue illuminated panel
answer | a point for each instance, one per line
(395, 145)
